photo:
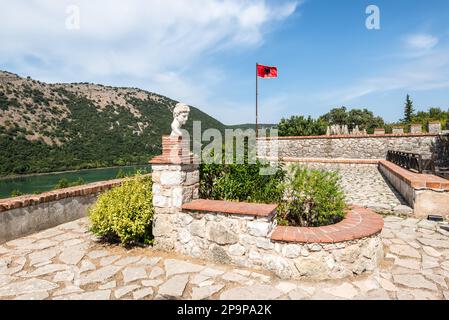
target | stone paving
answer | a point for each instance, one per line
(365, 185)
(68, 262)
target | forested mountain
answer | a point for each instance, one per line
(51, 127)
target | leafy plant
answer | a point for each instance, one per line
(125, 213)
(16, 193)
(301, 126)
(312, 198)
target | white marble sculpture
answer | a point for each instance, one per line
(180, 116)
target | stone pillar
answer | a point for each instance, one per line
(416, 128)
(379, 131)
(398, 130)
(434, 127)
(175, 182)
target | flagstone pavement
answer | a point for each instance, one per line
(68, 262)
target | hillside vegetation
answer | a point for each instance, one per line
(55, 127)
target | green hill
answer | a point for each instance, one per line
(54, 127)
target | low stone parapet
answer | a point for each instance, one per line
(20, 216)
(425, 193)
(246, 234)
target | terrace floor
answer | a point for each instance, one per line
(68, 262)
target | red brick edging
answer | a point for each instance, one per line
(84, 190)
(237, 208)
(358, 223)
(416, 180)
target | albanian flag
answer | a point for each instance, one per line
(266, 72)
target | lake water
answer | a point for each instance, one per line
(40, 183)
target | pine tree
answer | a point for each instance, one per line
(408, 110)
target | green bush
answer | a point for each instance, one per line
(312, 198)
(16, 193)
(125, 213)
(241, 182)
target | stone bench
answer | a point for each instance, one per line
(425, 193)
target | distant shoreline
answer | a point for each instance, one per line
(14, 176)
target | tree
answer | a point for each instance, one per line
(362, 118)
(301, 126)
(408, 110)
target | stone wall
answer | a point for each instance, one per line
(348, 147)
(245, 241)
(24, 215)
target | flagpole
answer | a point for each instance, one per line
(257, 93)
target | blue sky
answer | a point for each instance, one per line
(204, 52)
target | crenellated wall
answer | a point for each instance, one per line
(348, 147)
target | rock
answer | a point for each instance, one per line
(205, 292)
(156, 272)
(431, 252)
(67, 290)
(258, 229)
(110, 285)
(174, 287)
(219, 255)
(237, 250)
(261, 277)
(429, 262)
(142, 293)
(218, 233)
(51, 268)
(414, 281)
(210, 272)
(173, 267)
(446, 295)
(403, 209)
(440, 280)
(26, 287)
(291, 251)
(89, 295)
(127, 260)
(64, 276)
(197, 279)
(444, 244)
(404, 250)
(106, 261)
(97, 254)
(345, 291)
(197, 228)
(151, 283)
(407, 263)
(234, 277)
(255, 292)
(377, 294)
(387, 285)
(122, 291)
(72, 255)
(99, 275)
(42, 256)
(131, 274)
(298, 294)
(86, 265)
(366, 285)
(427, 224)
(286, 287)
(33, 296)
(149, 262)
(278, 265)
(312, 266)
(264, 243)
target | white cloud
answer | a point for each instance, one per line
(421, 41)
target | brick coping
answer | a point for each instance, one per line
(345, 136)
(54, 195)
(416, 180)
(229, 207)
(359, 223)
(323, 160)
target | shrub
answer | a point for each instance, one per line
(125, 213)
(241, 182)
(16, 193)
(312, 198)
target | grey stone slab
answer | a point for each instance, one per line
(99, 275)
(26, 287)
(205, 292)
(174, 287)
(134, 273)
(173, 267)
(255, 292)
(414, 281)
(142, 293)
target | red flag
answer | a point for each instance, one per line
(266, 72)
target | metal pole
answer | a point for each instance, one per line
(257, 93)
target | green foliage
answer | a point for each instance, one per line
(125, 213)
(362, 118)
(240, 182)
(408, 110)
(313, 198)
(301, 126)
(16, 193)
(433, 114)
(64, 183)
